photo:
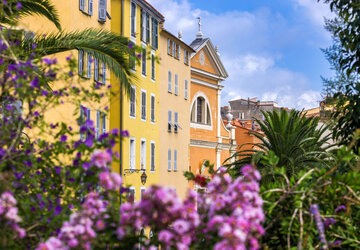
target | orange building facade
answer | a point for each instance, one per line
(209, 138)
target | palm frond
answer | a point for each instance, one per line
(30, 7)
(104, 45)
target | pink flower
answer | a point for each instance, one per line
(100, 225)
(12, 215)
(8, 198)
(165, 236)
(101, 158)
(181, 226)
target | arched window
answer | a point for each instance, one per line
(200, 111)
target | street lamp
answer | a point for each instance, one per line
(143, 178)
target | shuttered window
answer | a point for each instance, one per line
(169, 81)
(186, 89)
(103, 73)
(176, 84)
(143, 62)
(132, 153)
(152, 156)
(154, 33)
(103, 123)
(147, 28)
(81, 62)
(102, 10)
(133, 20)
(89, 61)
(91, 6)
(152, 116)
(82, 5)
(97, 124)
(132, 101)
(153, 67)
(169, 160)
(169, 120)
(96, 69)
(176, 117)
(143, 105)
(175, 160)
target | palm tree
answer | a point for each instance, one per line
(106, 46)
(296, 141)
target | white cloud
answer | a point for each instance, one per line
(252, 46)
(314, 10)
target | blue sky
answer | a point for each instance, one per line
(270, 48)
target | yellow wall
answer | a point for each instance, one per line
(137, 128)
(71, 18)
(176, 103)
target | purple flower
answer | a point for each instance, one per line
(340, 208)
(101, 158)
(63, 138)
(47, 61)
(86, 165)
(58, 210)
(130, 45)
(125, 133)
(58, 170)
(35, 83)
(44, 92)
(18, 5)
(89, 142)
(36, 114)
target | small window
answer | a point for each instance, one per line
(102, 10)
(152, 108)
(143, 62)
(82, 5)
(96, 69)
(141, 197)
(176, 122)
(186, 57)
(176, 85)
(81, 63)
(147, 28)
(169, 46)
(169, 160)
(153, 67)
(131, 195)
(103, 123)
(154, 33)
(143, 155)
(132, 101)
(132, 153)
(200, 112)
(85, 115)
(132, 60)
(152, 156)
(186, 89)
(97, 124)
(173, 48)
(143, 105)
(89, 61)
(175, 160)
(169, 121)
(143, 25)
(103, 73)
(169, 81)
(91, 6)
(133, 20)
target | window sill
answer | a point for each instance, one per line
(132, 117)
(169, 91)
(152, 171)
(200, 126)
(143, 75)
(143, 120)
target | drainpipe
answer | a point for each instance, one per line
(121, 99)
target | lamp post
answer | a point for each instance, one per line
(143, 177)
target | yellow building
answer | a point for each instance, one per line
(77, 15)
(139, 112)
(174, 111)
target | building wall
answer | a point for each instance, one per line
(71, 19)
(138, 129)
(176, 103)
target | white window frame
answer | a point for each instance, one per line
(133, 188)
(152, 156)
(170, 125)
(176, 84)
(152, 108)
(90, 7)
(132, 116)
(169, 159)
(133, 34)
(169, 81)
(145, 106)
(153, 66)
(132, 161)
(194, 102)
(80, 62)
(143, 25)
(98, 119)
(169, 46)
(143, 153)
(142, 190)
(143, 62)
(89, 63)
(175, 159)
(103, 122)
